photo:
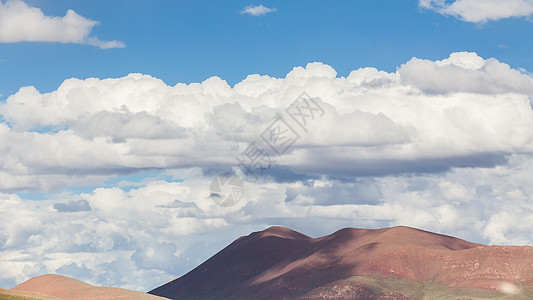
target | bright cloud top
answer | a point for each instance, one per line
(257, 10)
(465, 72)
(481, 11)
(460, 111)
(22, 23)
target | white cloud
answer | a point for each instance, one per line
(257, 10)
(465, 72)
(480, 11)
(143, 233)
(20, 22)
(442, 145)
(460, 111)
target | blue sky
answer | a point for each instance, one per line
(190, 41)
(115, 116)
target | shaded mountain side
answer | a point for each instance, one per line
(280, 263)
(62, 287)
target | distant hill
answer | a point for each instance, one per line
(391, 263)
(60, 287)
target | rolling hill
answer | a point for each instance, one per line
(53, 286)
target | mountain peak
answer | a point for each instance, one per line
(281, 232)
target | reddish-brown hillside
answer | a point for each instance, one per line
(68, 288)
(279, 263)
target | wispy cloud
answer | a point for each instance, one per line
(20, 22)
(480, 11)
(257, 10)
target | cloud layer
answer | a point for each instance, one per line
(481, 11)
(443, 145)
(20, 22)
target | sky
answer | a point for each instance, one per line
(115, 116)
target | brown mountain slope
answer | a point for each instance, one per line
(68, 288)
(21, 295)
(279, 263)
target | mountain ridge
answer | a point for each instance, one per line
(282, 263)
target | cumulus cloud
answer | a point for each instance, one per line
(143, 233)
(460, 111)
(480, 11)
(20, 22)
(465, 72)
(442, 145)
(257, 10)
(39, 237)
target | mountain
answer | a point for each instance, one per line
(60, 287)
(391, 263)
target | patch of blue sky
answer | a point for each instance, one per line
(189, 41)
(33, 196)
(137, 180)
(49, 129)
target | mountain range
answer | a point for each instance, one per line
(280, 263)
